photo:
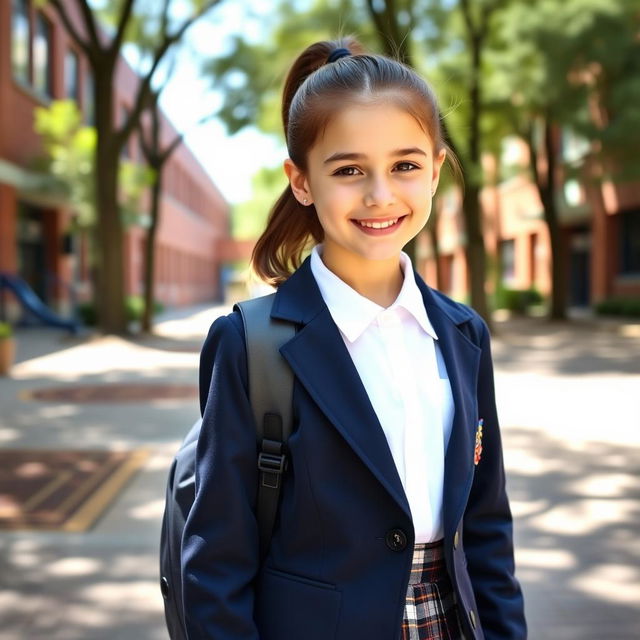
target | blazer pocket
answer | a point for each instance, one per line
(292, 607)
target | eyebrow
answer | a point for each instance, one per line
(361, 156)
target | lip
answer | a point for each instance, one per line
(371, 231)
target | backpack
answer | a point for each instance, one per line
(270, 391)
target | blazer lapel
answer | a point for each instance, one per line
(321, 362)
(462, 360)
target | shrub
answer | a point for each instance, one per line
(134, 306)
(619, 307)
(517, 300)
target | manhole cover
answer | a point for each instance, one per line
(114, 393)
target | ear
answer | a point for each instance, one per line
(299, 183)
(438, 161)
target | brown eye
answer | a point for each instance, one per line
(347, 171)
(406, 166)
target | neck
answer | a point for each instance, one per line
(378, 280)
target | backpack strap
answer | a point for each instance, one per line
(270, 391)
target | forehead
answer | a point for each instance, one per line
(371, 129)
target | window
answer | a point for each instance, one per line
(508, 261)
(42, 56)
(630, 243)
(71, 70)
(574, 146)
(89, 104)
(20, 49)
(124, 116)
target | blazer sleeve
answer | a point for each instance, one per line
(220, 549)
(488, 531)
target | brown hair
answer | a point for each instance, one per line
(312, 90)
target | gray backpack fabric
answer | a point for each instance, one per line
(270, 391)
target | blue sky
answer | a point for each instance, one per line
(231, 161)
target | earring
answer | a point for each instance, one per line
(304, 202)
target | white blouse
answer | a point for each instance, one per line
(396, 354)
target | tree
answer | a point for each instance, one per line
(102, 46)
(156, 155)
(458, 40)
(555, 59)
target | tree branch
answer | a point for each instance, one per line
(68, 25)
(144, 89)
(468, 19)
(89, 23)
(375, 16)
(123, 22)
(164, 27)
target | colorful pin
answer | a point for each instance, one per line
(478, 450)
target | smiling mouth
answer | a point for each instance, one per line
(382, 224)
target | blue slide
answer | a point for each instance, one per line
(32, 303)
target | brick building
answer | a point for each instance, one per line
(39, 63)
(600, 222)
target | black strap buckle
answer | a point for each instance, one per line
(272, 467)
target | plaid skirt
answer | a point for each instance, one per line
(430, 611)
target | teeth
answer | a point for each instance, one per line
(378, 225)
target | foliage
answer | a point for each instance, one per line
(100, 30)
(133, 180)
(517, 300)
(69, 145)
(6, 330)
(575, 63)
(134, 306)
(619, 307)
(249, 218)
(250, 75)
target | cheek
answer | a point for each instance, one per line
(419, 192)
(335, 197)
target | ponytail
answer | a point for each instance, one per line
(291, 228)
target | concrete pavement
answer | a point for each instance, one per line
(569, 405)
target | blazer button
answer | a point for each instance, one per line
(396, 540)
(164, 588)
(472, 619)
(456, 540)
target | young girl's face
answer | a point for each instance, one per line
(370, 176)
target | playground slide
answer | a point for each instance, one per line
(32, 303)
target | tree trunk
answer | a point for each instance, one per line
(432, 229)
(475, 251)
(150, 255)
(110, 291)
(558, 309)
(471, 207)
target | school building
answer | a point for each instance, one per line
(39, 63)
(599, 218)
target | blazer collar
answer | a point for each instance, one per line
(322, 364)
(299, 299)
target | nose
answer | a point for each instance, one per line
(379, 193)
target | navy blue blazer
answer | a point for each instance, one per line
(340, 557)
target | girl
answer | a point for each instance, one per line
(394, 522)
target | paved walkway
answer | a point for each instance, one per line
(568, 400)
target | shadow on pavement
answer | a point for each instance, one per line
(577, 516)
(570, 348)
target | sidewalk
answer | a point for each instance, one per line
(568, 400)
